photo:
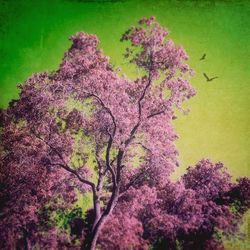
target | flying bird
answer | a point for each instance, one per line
(203, 57)
(209, 79)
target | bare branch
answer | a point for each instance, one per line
(98, 160)
(143, 146)
(142, 97)
(67, 168)
(64, 165)
(110, 141)
(105, 107)
(111, 163)
(155, 114)
(107, 157)
(101, 174)
(133, 131)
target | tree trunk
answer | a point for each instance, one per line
(90, 242)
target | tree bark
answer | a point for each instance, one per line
(90, 242)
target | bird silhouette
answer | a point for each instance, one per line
(209, 79)
(203, 57)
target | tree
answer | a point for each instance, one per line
(85, 128)
(194, 213)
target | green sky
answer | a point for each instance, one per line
(34, 36)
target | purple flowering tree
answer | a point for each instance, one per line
(85, 128)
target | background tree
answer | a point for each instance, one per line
(197, 212)
(85, 128)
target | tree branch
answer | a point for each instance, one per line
(143, 146)
(101, 174)
(107, 157)
(67, 168)
(155, 114)
(133, 181)
(65, 165)
(133, 131)
(110, 141)
(105, 107)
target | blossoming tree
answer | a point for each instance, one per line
(86, 129)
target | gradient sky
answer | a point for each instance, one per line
(34, 36)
